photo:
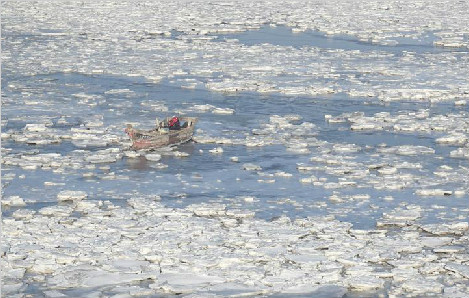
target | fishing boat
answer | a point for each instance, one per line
(170, 132)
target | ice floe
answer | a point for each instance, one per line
(153, 156)
(84, 246)
(14, 201)
(329, 250)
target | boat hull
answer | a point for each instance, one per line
(155, 139)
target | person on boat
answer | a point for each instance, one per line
(174, 123)
(129, 130)
(157, 123)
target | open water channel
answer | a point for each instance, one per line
(205, 177)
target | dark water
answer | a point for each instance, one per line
(283, 36)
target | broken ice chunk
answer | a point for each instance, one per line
(436, 241)
(460, 153)
(208, 210)
(422, 286)
(100, 278)
(365, 282)
(455, 139)
(433, 192)
(251, 167)
(329, 291)
(407, 150)
(14, 201)
(23, 214)
(153, 156)
(186, 282)
(218, 150)
(223, 111)
(71, 195)
(57, 211)
(457, 228)
(105, 156)
(461, 269)
(387, 170)
(35, 127)
(448, 249)
(410, 214)
(238, 213)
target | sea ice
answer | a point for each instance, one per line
(71, 195)
(460, 269)
(365, 282)
(433, 192)
(456, 228)
(436, 241)
(58, 211)
(100, 278)
(35, 127)
(218, 150)
(23, 214)
(225, 249)
(153, 156)
(423, 286)
(13, 201)
(251, 167)
(104, 156)
(460, 153)
(400, 217)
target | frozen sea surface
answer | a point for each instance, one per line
(330, 157)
